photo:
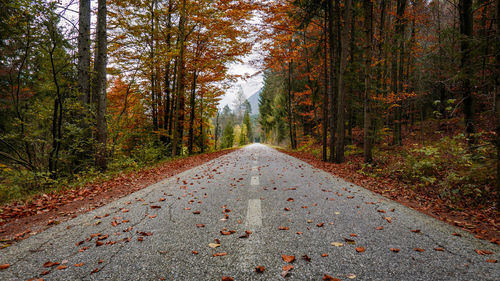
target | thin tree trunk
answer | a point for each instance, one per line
(497, 102)
(332, 86)
(180, 82)
(367, 132)
(290, 110)
(397, 69)
(465, 10)
(84, 51)
(340, 84)
(191, 115)
(100, 85)
(324, 155)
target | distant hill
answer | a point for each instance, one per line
(254, 102)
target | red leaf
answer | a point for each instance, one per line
(324, 255)
(219, 254)
(483, 252)
(379, 227)
(415, 230)
(4, 266)
(194, 252)
(330, 278)
(196, 212)
(200, 225)
(395, 250)
(79, 264)
(288, 259)
(439, 249)
(419, 249)
(360, 249)
(290, 200)
(283, 228)
(61, 267)
(492, 261)
(155, 207)
(259, 269)
(227, 278)
(306, 258)
(320, 224)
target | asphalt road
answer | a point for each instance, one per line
(151, 234)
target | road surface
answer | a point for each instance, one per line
(168, 231)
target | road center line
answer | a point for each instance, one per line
(254, 181)
(254, 215)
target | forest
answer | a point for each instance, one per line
(401, 90)
(405, 89)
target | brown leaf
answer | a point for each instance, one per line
(299, 232)
(61, 267)
(155, 207)
(353, 235)
(419, 249)
(227, 278)
(99, 243)
(4, 266)
(219, 254)
(483, 252)
(290, 200)
(161, 199)
(415, 230)
(283, 228)
(288, 267)
(50, 264)
(196, 212)
(125, 210)
(320, 224)
(287, 209)
(349, 241)
(330, 278)
(194, 252)
(360, 249)
(381, 211)
(439, 249)
(152, 216)
(379, 227)
(395, 250)
(200, 225)
(95, 270)
(79, 264)
(306, 258)
(324, 255)
(259, 269)
(492, 261)
(288, 259)
(225, 232)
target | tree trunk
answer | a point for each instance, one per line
(324, 155)
(340, 78)
(290, 110)
(167, 104)
(84, 51)
(100, 85)
(465, 10)
(497, 102)
(192, 104)
(180, 82)
(332, 86)
(367, 132)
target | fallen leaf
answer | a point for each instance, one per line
(283, 228)
(225, 233)
(288, 267)
(395, 250)
(439, 249)
(360, 249)
(287, 209)
(492, 261)
(155, 207)
(337, 244)
(306, 258)
(161, 199)
(324, 255)
(388, 219)
(320, 224)
(457, 234)
(379, 227)
(350, 241)
(219, 254)
(50, 264)
(419, 249)
(61, 267)
(4, 266)
(483, 252)
(95, 270)
(415, 230)
(351, 276)
(196, 212)
(152, 216)
(99, 243)
(330, 278)
(194, 252)
(299, 232)
(259, 269)
(79, 264)
(288, 259)
(125, 210)
(213, 245)
(200, 225)
(353, 235)
(227, 278)
(290, 200)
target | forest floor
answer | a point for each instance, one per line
(19, 220)
(483, 222)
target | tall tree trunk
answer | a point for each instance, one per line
(324, 155)
(367, 132)
(397, 60)
(290, 110)
(332, 86)
(340, 78)
(192, 104)
(180, 83)
(154, 102)
(465, 11)
(167, 104)
(100, 85)
(497, 102)
(84, 51)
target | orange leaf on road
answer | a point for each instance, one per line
(288, 259)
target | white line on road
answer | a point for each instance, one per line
(254, 181)
(254, 215)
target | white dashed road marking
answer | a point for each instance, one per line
(254, 181)
(254, 214)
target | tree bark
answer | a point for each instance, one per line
(180, 83)
(84, 51)
(290, 110)
(497, 102)
(367, 132)
(332, 86)
(339, 157)
(324, 155)
(192, 104)
(465, 11)
(100, 86)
